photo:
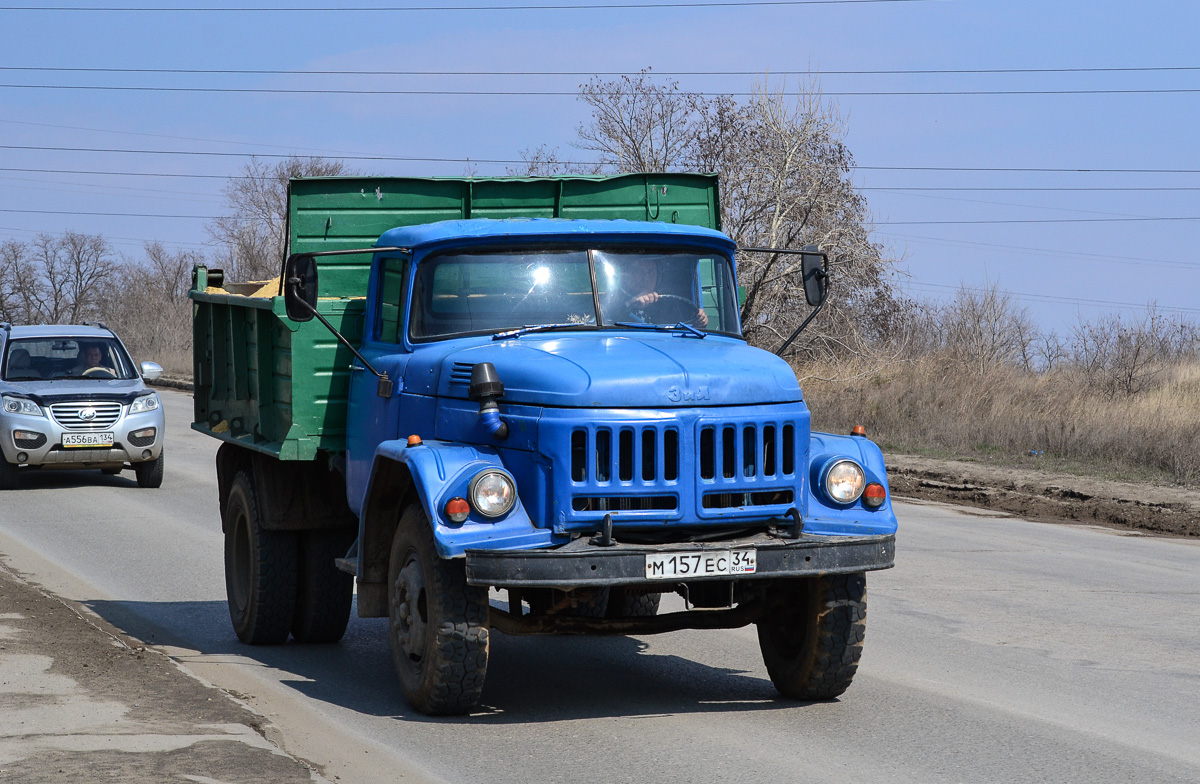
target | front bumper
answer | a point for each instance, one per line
(51, 453)
(581, 564)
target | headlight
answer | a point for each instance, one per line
(492, 493)
(844, 481)
(144, 403)
(21, 405)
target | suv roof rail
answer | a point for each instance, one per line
(99, 324)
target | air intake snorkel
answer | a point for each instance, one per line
(485, 387)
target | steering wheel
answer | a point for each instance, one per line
(672, 308)
(97, 370)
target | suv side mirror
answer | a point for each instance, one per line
(151, 371)
(813, 263)
(300, 287)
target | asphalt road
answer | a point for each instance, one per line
(997, 650)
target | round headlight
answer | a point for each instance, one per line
(844, 481)
(492, 493)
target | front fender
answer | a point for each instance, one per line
(441, 470)
(823, 516)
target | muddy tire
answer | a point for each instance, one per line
(812, 643)
(150, 474)
(260, 570)
(628, 603)
(437, 623)
(8, 475)
(324, 593)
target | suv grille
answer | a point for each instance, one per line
(76, 416)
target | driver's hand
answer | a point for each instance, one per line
(642, 300)
(701, 319)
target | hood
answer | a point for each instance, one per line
(58, 390)
(618, 370)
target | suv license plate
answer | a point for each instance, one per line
(707, 563)
(87, 439)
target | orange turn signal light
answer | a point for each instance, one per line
(858, 430)
(874, 495)
(414, 440)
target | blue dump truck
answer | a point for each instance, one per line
(526, 405)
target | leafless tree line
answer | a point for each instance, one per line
(984, 329)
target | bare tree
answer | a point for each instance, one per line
(150, 309)
(785, 182)
(55, 280)
(253, 234)
(985, 329)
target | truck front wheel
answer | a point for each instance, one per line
(812, 642)
(260, 570)
(437, 622)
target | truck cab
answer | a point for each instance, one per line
(547, 424)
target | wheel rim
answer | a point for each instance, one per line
(410, 617)
(239, 571)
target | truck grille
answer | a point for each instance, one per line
(731, 467)
(649, 453)
(88, 417)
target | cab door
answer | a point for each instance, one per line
(372, 419)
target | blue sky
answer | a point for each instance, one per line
(1101, 254)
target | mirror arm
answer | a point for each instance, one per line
(779, 351)
(385, 383)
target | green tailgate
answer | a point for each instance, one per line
(270, 384)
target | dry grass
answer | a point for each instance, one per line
(928, 406)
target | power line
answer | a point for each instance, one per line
(575, 93)
(763, 72)
(425, 8)
(893, 189)
(1054, 298)
(1029, 220)
(1069, 254)
(419, 159)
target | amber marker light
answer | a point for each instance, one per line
(874, 495)
(414, 440)
(858, 430)
(457, 508)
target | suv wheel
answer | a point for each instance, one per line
(150, 474)
(8, 475)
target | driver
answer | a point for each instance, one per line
(91, 355)
(638, 295)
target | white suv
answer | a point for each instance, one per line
(70, 397)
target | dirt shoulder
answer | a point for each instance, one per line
(1046, 495)
(83, 702)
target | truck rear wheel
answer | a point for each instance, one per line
(260, 570)
(812, 643)
(437, 623)
(324, 593)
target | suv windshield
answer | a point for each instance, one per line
(490, 291)
(32, 359)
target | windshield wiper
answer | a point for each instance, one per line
(680, 325)
(514, 333)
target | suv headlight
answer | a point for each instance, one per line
(492, 493)
(21, 405)
(144, 403)
(844, 481)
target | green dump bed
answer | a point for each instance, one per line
(271, 384)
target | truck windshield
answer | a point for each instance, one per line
(99, 359)
(475, 293)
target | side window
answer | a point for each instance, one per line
(389, 314)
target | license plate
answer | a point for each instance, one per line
(707, 563)
(87, 439)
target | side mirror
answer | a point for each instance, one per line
(813, 263)
(151, 371)
(300, 287)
